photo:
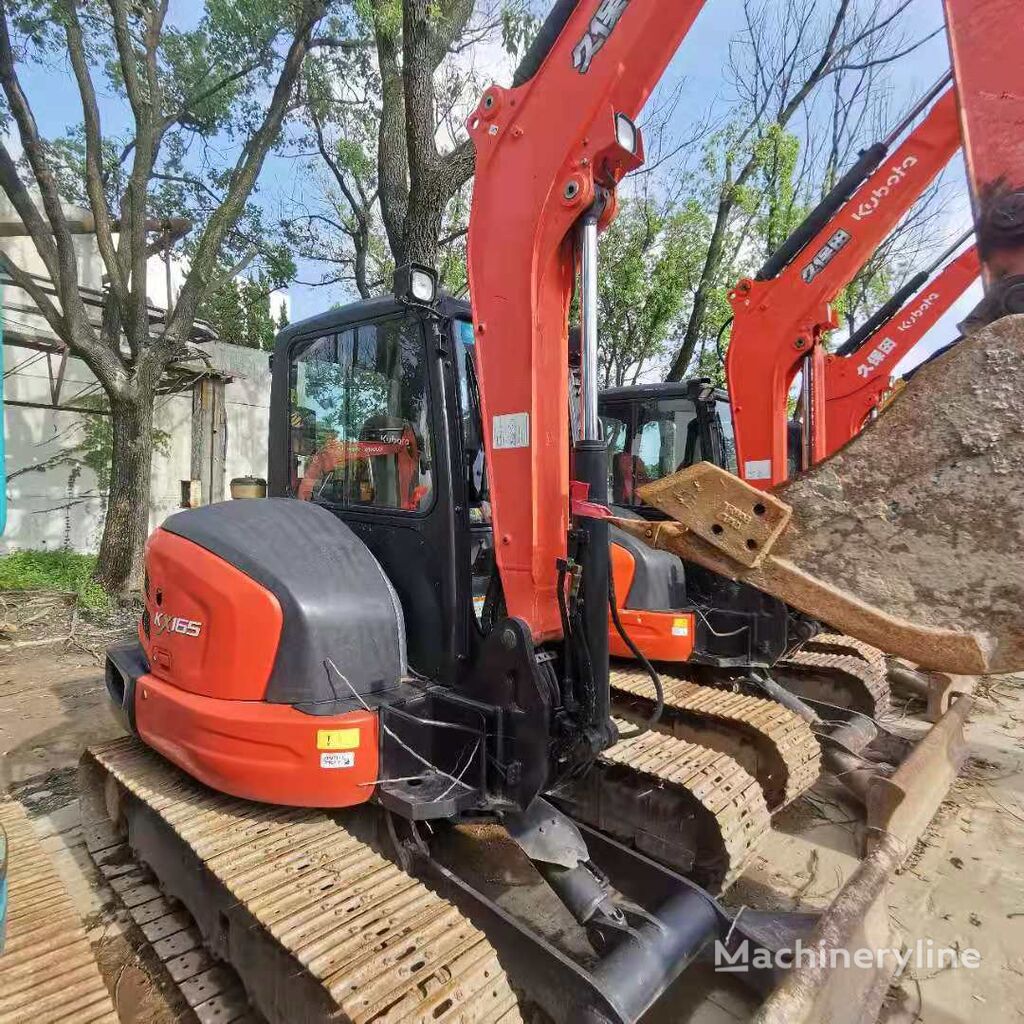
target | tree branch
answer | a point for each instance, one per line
(94, 155)
(243, 178)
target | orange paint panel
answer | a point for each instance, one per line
(256, 750)
(662, 636)
(213, 630)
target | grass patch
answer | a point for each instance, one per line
(65, 571)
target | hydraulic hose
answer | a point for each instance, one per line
(659, 690)
(544, 41)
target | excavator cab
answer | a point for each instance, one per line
(678, 611)
(654, 430)
(392, 382)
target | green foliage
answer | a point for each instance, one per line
(778, 209)
(214, 74)
(650, 259)
(518, 27)
(64, 571)
(384, 15)
(239, 310)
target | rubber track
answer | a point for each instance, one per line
(715, 780)
(787, 756)
(47, 971)
(865, 677)
(382, 945)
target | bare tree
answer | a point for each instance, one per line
(387, 139)
(784, 54)
(173, 92)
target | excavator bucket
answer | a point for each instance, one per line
(910, 538)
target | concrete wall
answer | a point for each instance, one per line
(54, 501)
(61, 505)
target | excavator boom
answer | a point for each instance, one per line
(548, 150)
(855, 383)
(909, 537)
(780, 322)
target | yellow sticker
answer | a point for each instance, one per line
(680, 627)
(337, 739)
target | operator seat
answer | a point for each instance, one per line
(394, 475)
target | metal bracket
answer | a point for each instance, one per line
(56, 382)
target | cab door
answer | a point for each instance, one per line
(360, 423)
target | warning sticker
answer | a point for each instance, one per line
(510, 431)
(337, 739)
(681, 627)
(345, 759)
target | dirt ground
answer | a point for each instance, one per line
(963, 887)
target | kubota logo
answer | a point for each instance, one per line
(897, 172)
(916, 314)
(164, 623)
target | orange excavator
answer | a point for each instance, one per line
(720, 630)
(325, 654)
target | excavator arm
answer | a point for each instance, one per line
(550, 151)
(780, 321)
(909, 537)
(856, 379)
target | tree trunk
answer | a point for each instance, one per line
(702, 297)
(127, 522)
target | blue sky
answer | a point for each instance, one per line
(700, 62)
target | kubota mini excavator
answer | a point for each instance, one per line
(722, 628)
(326, 654)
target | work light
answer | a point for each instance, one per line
(416, 284)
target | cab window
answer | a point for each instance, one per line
(647, 441)
(360, 425)
(668, 437)
(723, 411)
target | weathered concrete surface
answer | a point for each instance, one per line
(922, 514)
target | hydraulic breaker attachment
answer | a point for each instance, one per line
(909, 538)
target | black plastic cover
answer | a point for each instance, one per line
(659, 582)
(338, 606)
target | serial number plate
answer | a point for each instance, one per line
(344, 759)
